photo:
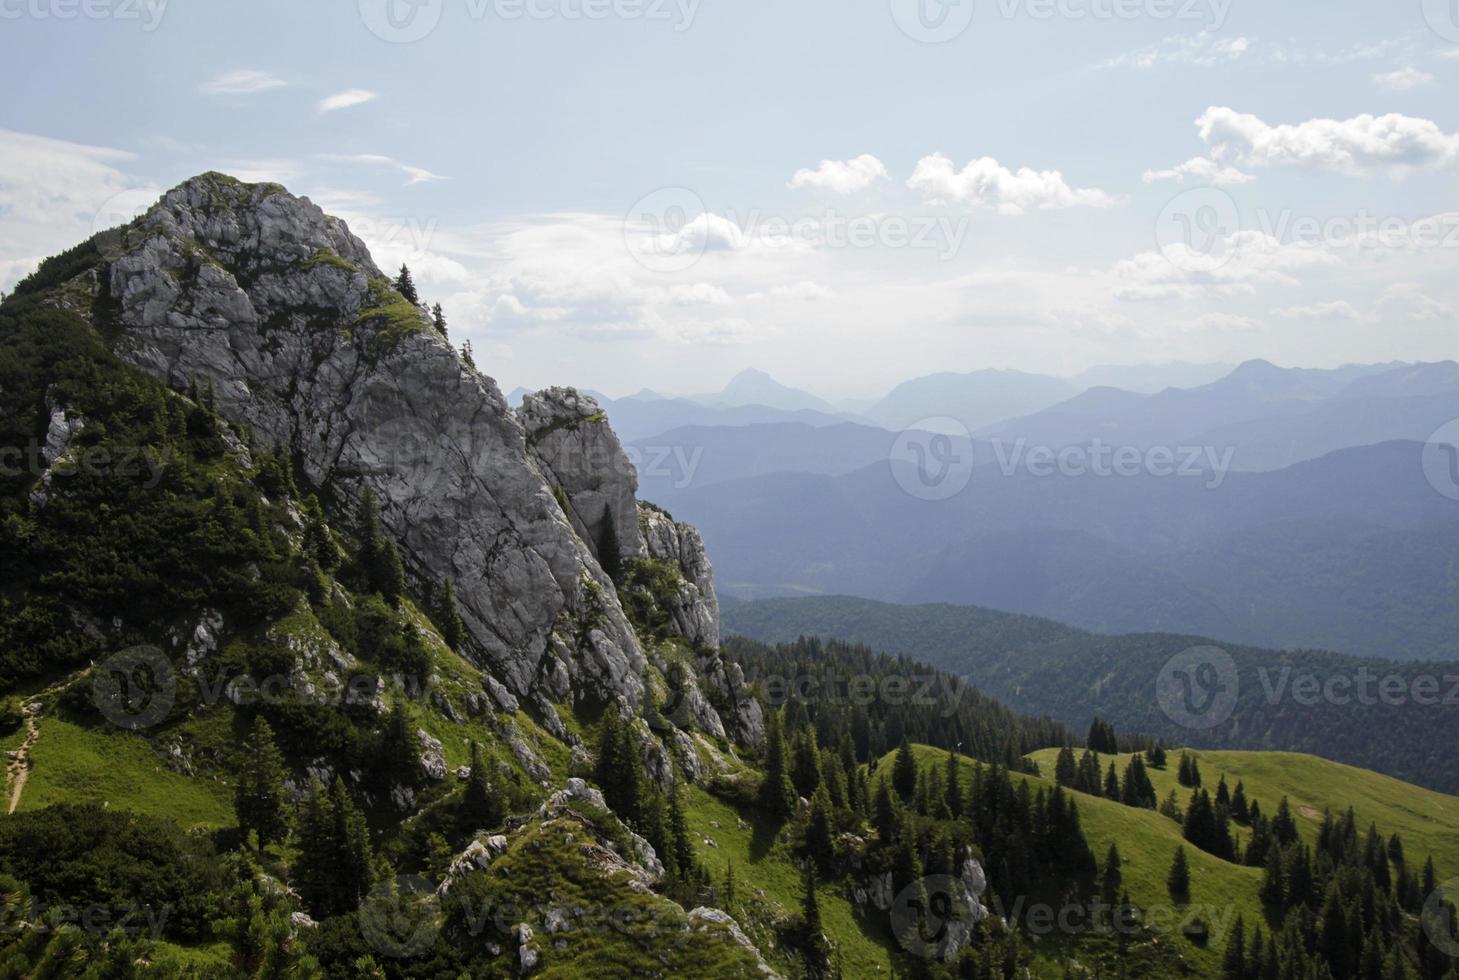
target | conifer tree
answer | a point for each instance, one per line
(405, 285)
(438, 318)
(816, 951)
(1233, 963)
(777, 794)
(481, 806)
(448, 617)
(1066, 770)
(1178, 881)
(1111, 783)
(806, 763)
(259, 797)
(819, 845)
(678, 830)
(904, 770)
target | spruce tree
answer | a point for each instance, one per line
(818, 842)
(904, 770)
(806, 763)
(438, 317)
(448, 617)
(777, 794)
(481, 806)
(405, 285)
(1178, 881)
(678, 830)
(1233, 963)
(1066, 770)
(816, 951)
(259, 799)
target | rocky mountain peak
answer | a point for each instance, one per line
(278, 308)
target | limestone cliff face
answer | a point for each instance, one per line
(277, 307)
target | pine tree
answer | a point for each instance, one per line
(438, 317)
(818, 842)
(481, 807)
(1110, 879)
(318, 542)
(678, 830)
(777, 794)
(1066, 770)
(618, 770)
(379, 560)
(904, 770)
(816, 951)
(1178, 881)
(448, 617)
(1111, 783)
(259, 797)
(805, 772)
(953, 787)
(405, 285)
(467, 356)
(1233, 963)
(335, 865)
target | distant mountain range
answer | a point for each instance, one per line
(1042, 667)
(1354, 551)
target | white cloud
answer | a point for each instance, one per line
(1402, 80)
(1407, 301)
(842, 178)
(1204, 50)
(265, 171)
(415, 175)
(346, 99)
(1362, 145)
(1223, 322)
(244, 81)
(1200, 169)
(1237, 264)
(808, 292)
(1336, 310)
(985, 183)
(54, 193)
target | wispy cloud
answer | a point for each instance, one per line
(1200, 168)
(244, 81)
(346, 99)
(1204, 50)
(414, 175)
(1402, 80)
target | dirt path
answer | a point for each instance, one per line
(17, 770)
(17, 766)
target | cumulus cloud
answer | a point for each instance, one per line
(244, 81)
(985, 183)
(1205, 49)
(1361, 146)
(1236, 264)
(1200, 169)
(346, 99)
(846, 177)
(1402, 80)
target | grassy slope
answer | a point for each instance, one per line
(1423, 818)
(762, 865)
(77, 764)
(1147, 841)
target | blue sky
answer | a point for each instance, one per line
(670, 192)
